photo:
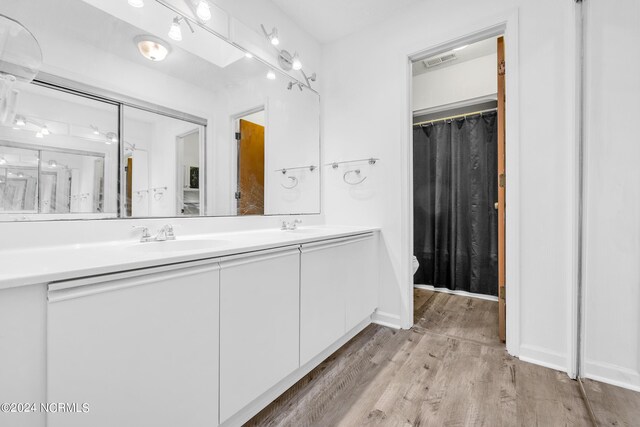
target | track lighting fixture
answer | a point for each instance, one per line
(296, 64)
(203, 10)
(286, 61)
(53, 163)
(175, 31)
(45, 130)
(136, 3)
(111, 138)
(271, 75)
(272, 36)
(96, 131)
(292, 84)
(21, 121)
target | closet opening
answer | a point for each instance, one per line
(458, 105)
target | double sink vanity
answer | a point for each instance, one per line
(200, 330)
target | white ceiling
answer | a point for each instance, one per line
(330, 20)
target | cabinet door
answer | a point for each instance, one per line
(259, 325)
(338, 290)
(324, 272)
(362, 284)
(140, 351)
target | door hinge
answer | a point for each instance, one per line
(502, 68)
(238, 195)
(501, 180)
(238, 136)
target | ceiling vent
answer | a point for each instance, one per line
(439, 60)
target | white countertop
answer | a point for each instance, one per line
(55, 263)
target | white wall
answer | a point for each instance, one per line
(467, 80)
(365, 114)
(612, 208)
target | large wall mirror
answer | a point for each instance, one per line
(143, 112)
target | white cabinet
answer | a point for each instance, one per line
(259, 325)
(338, 290)
(362, 283)
(141, 348)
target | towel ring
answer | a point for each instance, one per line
(357, 172)
(292, 179)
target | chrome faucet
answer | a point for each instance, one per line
(146, 235)
(166, 233)
(293, 225)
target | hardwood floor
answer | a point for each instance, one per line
(613, 406)
(450, 369)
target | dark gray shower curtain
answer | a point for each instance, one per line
(454, 191)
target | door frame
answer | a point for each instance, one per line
(506, 25)
(200, 130)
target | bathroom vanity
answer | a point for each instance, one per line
(202, 330)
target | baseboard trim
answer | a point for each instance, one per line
(386, 319)
(461, 293)
(543, 357)
(612, 374)
(274, 392)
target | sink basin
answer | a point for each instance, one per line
(179, 245)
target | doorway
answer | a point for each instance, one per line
(250, 140)
(458, 106)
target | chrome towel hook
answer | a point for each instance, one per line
(357, 173)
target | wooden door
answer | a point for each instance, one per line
(502, 309)
(250, 193)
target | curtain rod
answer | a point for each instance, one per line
(465, 115)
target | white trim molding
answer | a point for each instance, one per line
(612, 374)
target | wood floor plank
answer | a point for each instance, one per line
(449, 370)
(613, 406)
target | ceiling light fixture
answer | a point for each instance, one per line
(53, 163)
(272, 36)
(152, 47)
(271, 75)
(136, 3)
(21, 121)
(203, 10)
(45, 130)
(296, 64)
(175, 32)
(111, 138)
(460, 48)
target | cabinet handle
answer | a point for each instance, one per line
(315, 246)
(106, 283)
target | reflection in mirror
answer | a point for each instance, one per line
(164, 165)
(18, 180)
(179, 89)
(58, 156)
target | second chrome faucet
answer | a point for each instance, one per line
(165, 233)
